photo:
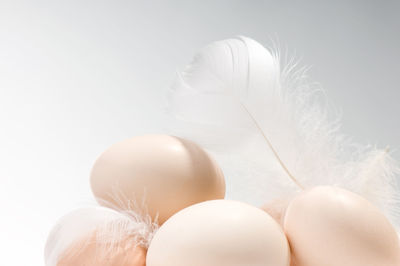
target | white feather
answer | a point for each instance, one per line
(265, 124)
(109, 226)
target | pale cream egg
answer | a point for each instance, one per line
(166, 172)
(219, 233)
(329, 226)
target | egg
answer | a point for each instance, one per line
(276, 208)
(166, 172)
(219, 233)
(95, 236)
(331, 226)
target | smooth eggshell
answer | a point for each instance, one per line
(168, 172)
(329, 226)
(219, 233)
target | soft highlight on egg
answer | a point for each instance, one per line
(219, 233)
(331, 226)
(166, 172)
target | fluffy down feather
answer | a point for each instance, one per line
(108, 226)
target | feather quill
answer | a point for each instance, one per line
(265, 123)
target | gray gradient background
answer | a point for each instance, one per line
(77, 76)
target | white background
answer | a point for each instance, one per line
(77, 76)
